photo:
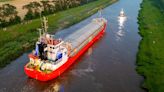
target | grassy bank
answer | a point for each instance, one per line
(150, 59)
(20, 38)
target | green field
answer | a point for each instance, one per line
(150, 59)
(21, 37)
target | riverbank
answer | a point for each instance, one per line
(20, 38)
(150, 59)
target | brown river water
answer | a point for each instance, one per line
(108, 66)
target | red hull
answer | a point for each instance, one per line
(45, 77)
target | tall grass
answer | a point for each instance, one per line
(150, 59)
(21, 37)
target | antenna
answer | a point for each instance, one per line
(100, 13)
(40, 33)
(45, 25)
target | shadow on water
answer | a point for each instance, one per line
(108, 66)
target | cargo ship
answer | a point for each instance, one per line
(52, 56)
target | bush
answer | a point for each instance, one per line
(16, 20)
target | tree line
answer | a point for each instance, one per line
(9, 14)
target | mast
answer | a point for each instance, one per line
(43, 29)
(40, 33)
(44, 25)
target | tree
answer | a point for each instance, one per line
(74, 3)
(57, 4)
(86, 1)
(16, 20)
(9, 10)
(33, 10)
(1, 17)
(48, 7)
(66, 4)
(8, 15)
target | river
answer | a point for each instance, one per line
(108, 66)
